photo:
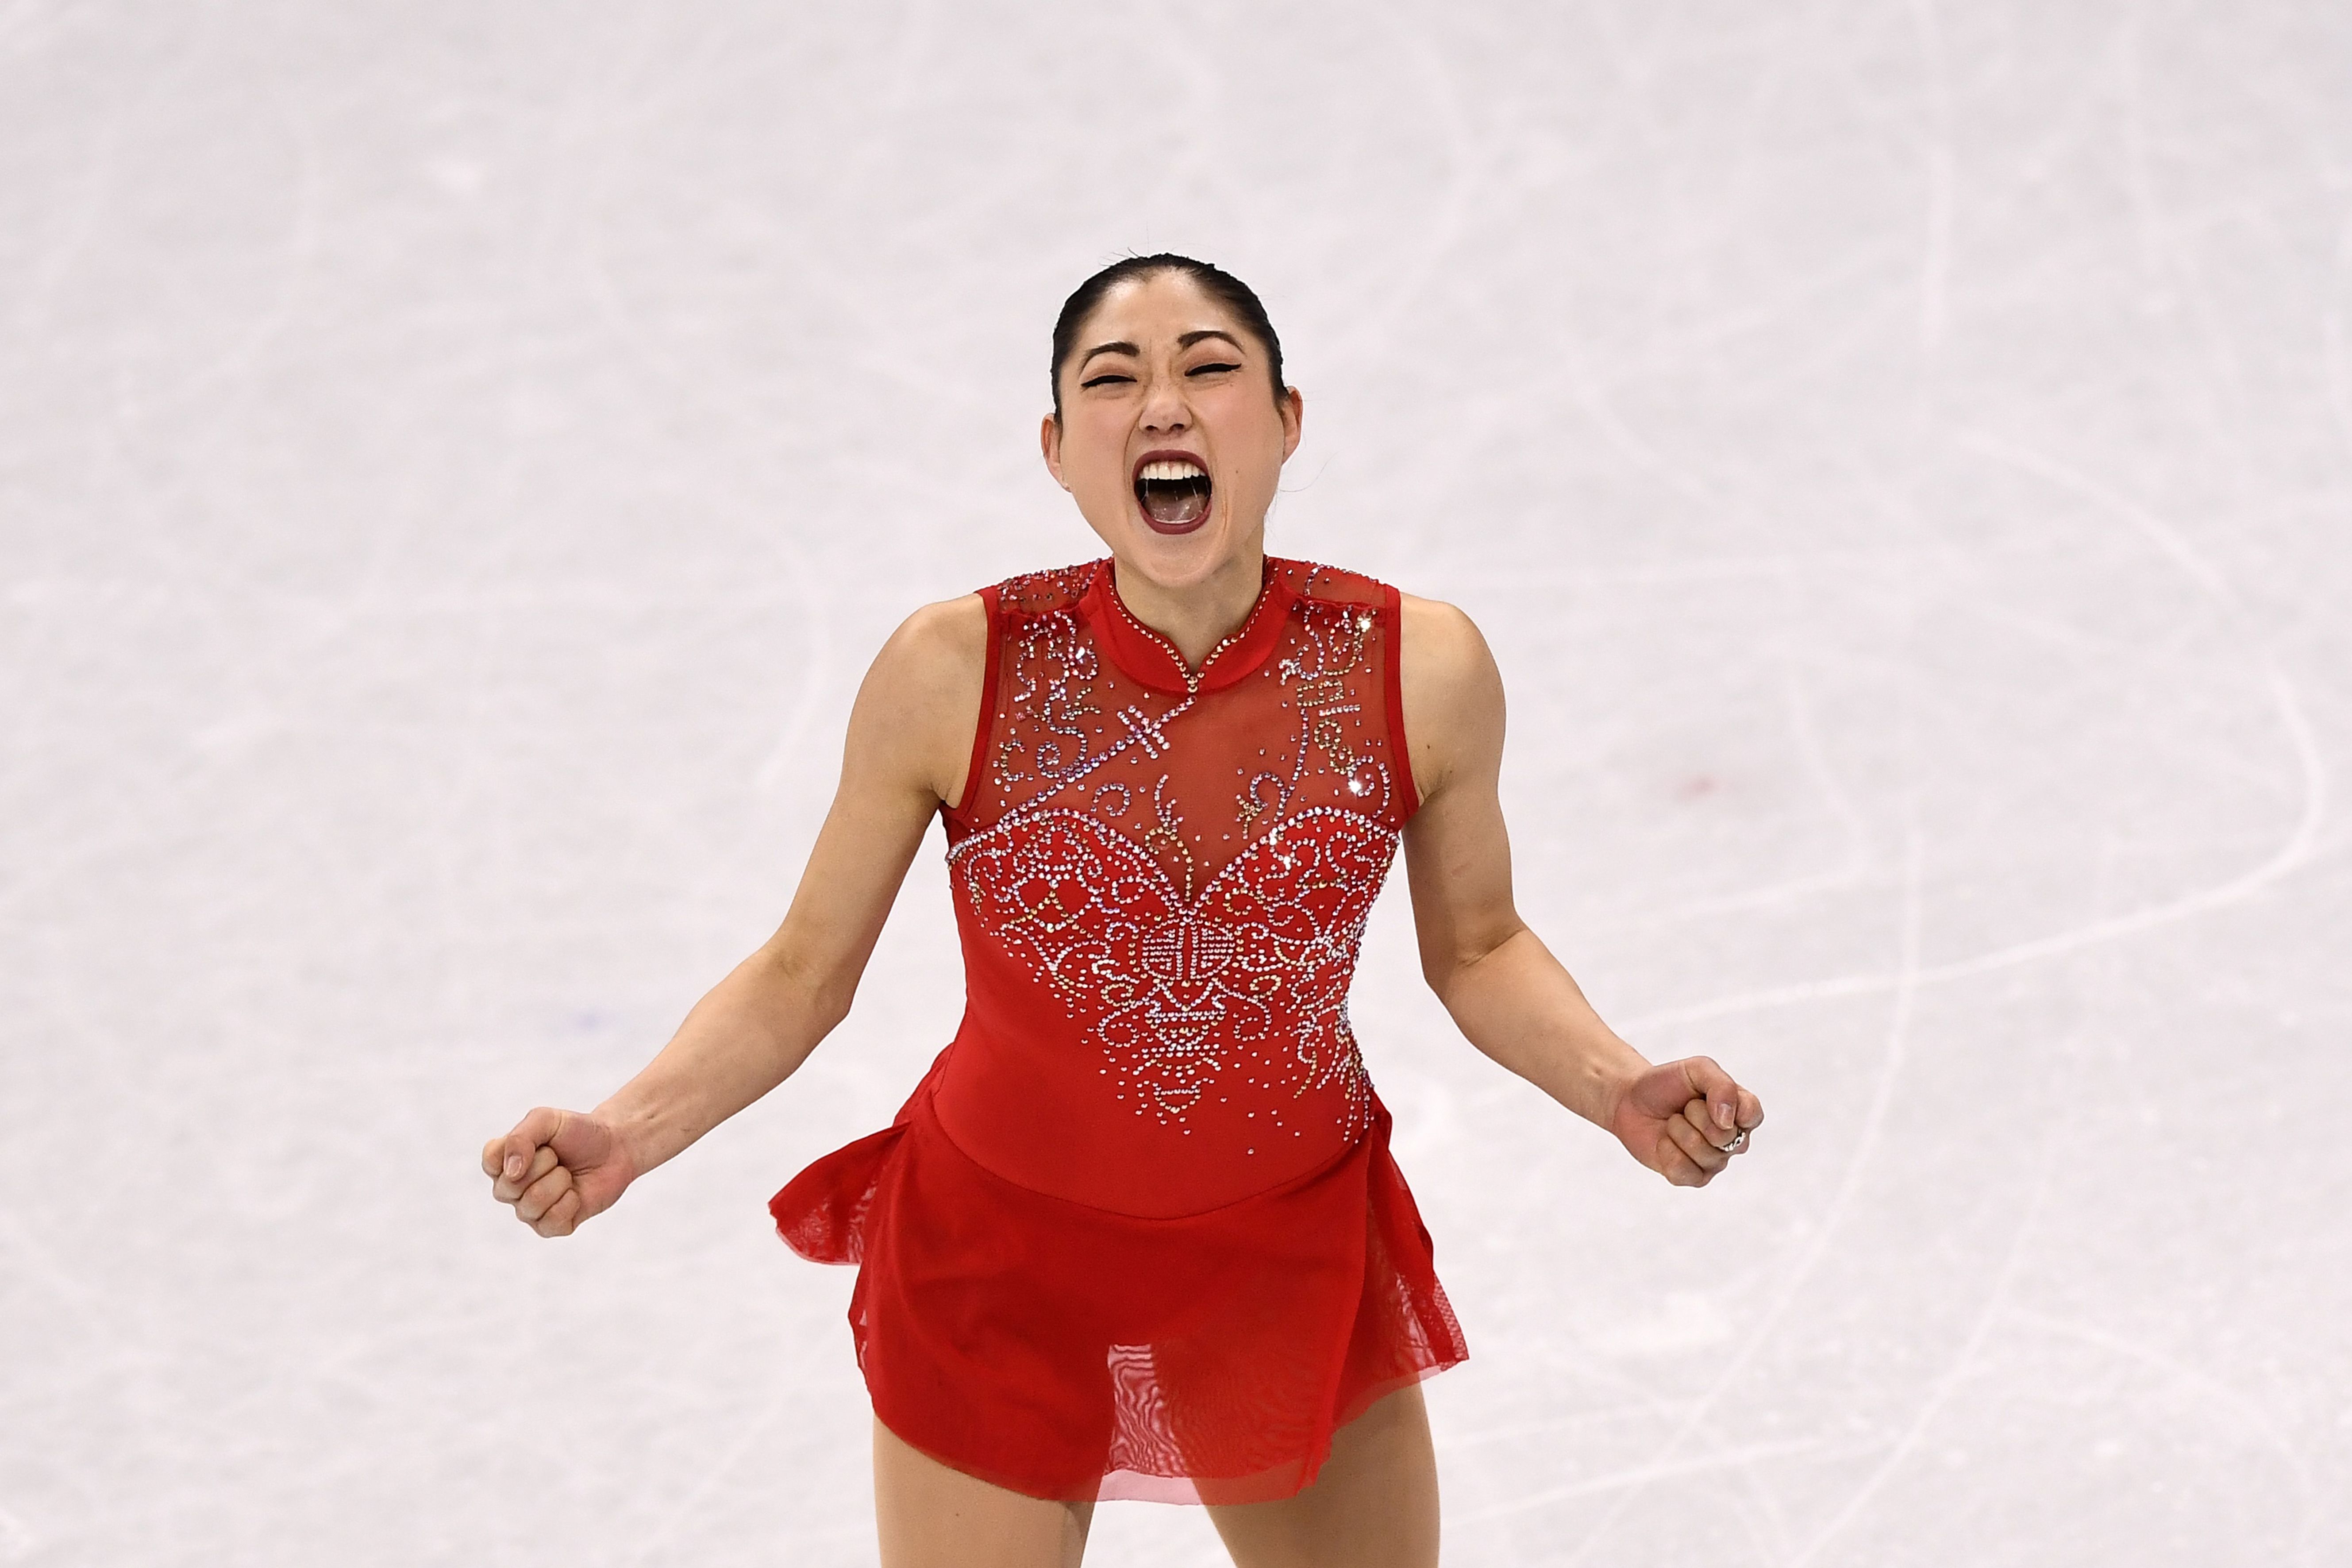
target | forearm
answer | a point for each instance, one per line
(1522, 1008)
(751, 1032)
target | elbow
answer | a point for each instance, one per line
(1446, 969)
(816, 994)
(826, 1006)
(825, 1001)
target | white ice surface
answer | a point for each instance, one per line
(456, 461)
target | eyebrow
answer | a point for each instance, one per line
(1122, 348)
(1186, 341)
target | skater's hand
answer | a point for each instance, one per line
(557, 1168)
(1677, 1117)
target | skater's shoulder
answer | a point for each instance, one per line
(946, 641)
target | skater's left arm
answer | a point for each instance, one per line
(1505, 990)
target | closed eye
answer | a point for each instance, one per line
(1211, 368)
(1105, 379)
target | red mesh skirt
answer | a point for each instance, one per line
(1073, 1353)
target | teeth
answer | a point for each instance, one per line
(1181, 469)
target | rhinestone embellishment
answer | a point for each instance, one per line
(1205, 951)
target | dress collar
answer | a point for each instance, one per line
(1148, 659)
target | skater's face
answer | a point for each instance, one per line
(1172, 438)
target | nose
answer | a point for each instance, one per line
(1163, 407)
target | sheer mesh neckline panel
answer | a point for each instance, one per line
(1287, 718)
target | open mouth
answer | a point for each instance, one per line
(1172, 489)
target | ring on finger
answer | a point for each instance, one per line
(1736, 1145)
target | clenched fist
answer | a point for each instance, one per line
(558, 1168)
(1686, 1120)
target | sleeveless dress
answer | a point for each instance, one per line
(1138, 1232)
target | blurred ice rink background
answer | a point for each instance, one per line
(457, 460)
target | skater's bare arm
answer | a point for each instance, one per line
(1510, 995)
(909, 742)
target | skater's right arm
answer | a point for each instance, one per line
(909, 743)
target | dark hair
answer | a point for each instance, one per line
(1217, 282)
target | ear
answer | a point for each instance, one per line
(1294, 412)
(1049, 441)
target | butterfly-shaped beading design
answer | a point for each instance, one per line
(1249, 979)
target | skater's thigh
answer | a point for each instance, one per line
(931, 1515)
(1374, 1505)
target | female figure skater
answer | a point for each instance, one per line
(1138, 1231)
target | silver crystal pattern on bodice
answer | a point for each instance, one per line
(1183, 980)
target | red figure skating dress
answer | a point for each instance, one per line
(1138, 1232)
